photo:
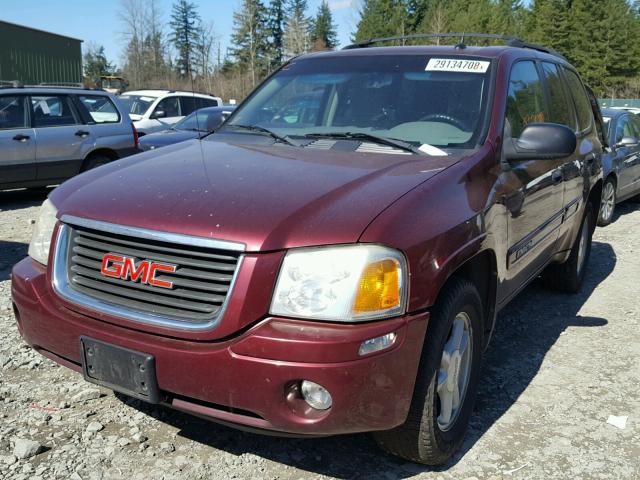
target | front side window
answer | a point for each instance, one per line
(52, 111)
(169, 107)
(560, 110)
(583, 106)
(136, 104)
(13, 113)
(624, 128)
(525, 100)
(412, 98)
(101, 108)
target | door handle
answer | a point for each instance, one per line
(82, 133)
(557, 177)
(21, 138)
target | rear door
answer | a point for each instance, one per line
(63, 138)
(17, 141)
(632, 164)
(532, 189)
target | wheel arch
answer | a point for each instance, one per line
(107, 152)
(481, 269)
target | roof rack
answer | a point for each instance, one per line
(509, 40)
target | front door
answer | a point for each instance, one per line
(17, 141)
(532, 190)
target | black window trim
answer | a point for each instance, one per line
(27, 109)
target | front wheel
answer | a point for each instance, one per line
(447, 382)
(608, 203)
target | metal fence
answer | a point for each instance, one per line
(619, 102)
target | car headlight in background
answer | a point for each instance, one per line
(42, 232)
(342, 284)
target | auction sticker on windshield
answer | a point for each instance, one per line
(457, 65)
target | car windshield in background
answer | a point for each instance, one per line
(195, 122)
(413, 98)
(136, 104)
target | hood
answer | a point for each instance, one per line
(269, 197)
(166, 137)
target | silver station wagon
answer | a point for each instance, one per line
(48, 135)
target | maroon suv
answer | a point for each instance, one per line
(331, 260)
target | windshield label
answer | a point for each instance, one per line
(453, 65)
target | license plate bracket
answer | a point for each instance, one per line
(121, 369)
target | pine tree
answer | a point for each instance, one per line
(297, 30)
(95, 63)
(184, 24)
(382, 18)
(276, 22)
(324, 34)
(250, 31)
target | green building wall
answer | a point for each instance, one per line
(33, 56)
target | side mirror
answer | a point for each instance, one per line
(215, 120)
(159, 114)
(541, 141)
(627, 142)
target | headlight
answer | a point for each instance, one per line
(42, 232)
(341, 284)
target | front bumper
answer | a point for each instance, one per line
(246, 380)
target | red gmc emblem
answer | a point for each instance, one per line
(117, 266)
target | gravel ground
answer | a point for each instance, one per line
(557, 367)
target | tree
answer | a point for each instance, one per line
(276, 24)
(324, 35)
(249, 36)
(95, 63)
(382, 18)
(184, 23)
(297, 33)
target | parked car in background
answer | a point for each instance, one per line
(196, 125)
(334, 268)
(48, 135)
(634, 110)
(155, 110)
(621, 165)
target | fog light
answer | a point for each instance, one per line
(315, 395)
(376, 344)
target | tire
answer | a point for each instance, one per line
(568, 276)
(608, 203)
(95, 161)
(423, 438)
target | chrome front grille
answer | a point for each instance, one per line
(201, 283)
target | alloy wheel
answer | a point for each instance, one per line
(455, 371)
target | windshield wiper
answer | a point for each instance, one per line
(271, 133)
(392, 142)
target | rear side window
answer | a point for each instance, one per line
(583, 107)
(525, 100)
(560, 110)
(207, 102)
(187, 105)
(101, 108)
(13, 113)
(52, 111)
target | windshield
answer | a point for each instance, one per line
(197, 121)
(417, 99)
(136, 104)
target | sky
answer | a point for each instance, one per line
(97, 21)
